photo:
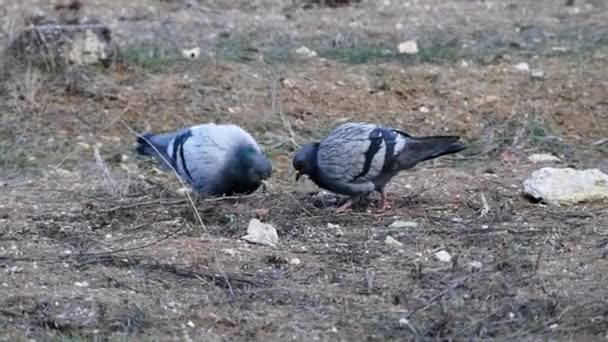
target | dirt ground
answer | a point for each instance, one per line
(97, 244)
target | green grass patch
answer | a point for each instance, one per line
(147, 57)
(366, 54)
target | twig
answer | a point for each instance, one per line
(277, 108)
(438, 296)
(143, 204)
(538, 258)
(486, 208)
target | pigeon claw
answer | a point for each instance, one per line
(345, 208)
(385, 204)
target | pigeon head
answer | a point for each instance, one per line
(305, 160)
(253, 165)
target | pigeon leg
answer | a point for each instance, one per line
(385, 203)
(345, 208)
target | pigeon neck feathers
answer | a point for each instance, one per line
(243, 171)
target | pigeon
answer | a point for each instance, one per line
(358, 158)
(214, 159)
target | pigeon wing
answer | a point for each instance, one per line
(201, 153)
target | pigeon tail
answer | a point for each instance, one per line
(426, 148)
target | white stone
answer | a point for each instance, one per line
(295, 261)
(475, 265)
(543, 158)
(443, 256)
(404, 224)
(262, 233)
(537, 74)
(332, 226)
(390, 241)
(409, 47)
(83, 284)
(183, 191)
(191, 324)
(191, 53)
(229, 251)
(565, 186)
(306, 52)
(403, 322)
(289, 83)
(523, 67)
(424, 109)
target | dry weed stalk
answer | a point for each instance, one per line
(112, 186)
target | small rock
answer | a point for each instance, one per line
(403, 322)
(83, 284)
(229, 251)
(191, 324)
(183, 191)
(262, 233)
(464, 64)
(511, 315)
(543, 158)
(475, 265)
(191, 53)
(389, 241)
(443, 256)
(306, 52)
(523, 67)
(423, 109)
(567, 186)
(409, 47)
(398, 26)
(295, 261)
(537, 74)
(404, 224)
(332, 226)
(288, 83)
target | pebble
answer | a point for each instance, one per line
(261, 233)
(404, 224)
(390, 241)
(306, 52)
(443, 256)
(523, 67)
(191, 53)
(543, 158)
(295, 261)
(475, 265)
(409, 47)
(537, 74)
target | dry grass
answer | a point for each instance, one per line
(96, 243)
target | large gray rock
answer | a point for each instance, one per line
(566, 186)
(64, 44)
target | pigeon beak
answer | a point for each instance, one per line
(298, 175)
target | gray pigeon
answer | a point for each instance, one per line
(213, 159)
(358, 158)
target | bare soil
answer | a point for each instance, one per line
(109, 247)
